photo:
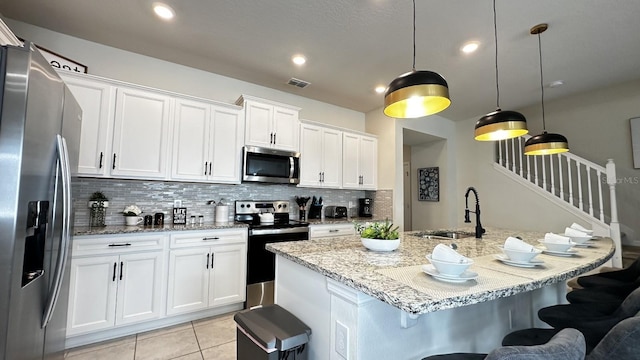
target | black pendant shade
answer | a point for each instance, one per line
(415, 94)
(500, 125)
(546, 144)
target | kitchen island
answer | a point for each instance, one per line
(368, 305)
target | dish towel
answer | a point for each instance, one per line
(443, 252)
(580, 228)
(556, 239)
(577, 233)
(513, 243)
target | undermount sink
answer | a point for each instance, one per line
(443, 234)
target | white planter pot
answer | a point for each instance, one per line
(380, 244)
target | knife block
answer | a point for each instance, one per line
(315, 211)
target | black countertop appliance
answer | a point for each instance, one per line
(365, 207)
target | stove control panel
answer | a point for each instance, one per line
(257, 207)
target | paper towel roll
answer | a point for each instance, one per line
(222, 213)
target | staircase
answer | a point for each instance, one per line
(582, 187)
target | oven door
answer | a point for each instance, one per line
(270, 165)
(261, 265)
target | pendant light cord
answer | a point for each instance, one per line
(544, 126)
(495, 38)
(414, 35)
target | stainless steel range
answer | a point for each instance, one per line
(268, 222)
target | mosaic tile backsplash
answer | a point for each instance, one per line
(158, 196)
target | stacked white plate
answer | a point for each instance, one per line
(518, 253)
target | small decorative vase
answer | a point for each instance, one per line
(133, 220)
(97, 213)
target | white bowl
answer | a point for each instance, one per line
(580, 239)
(448, 267)
(380, 244)
(559, 247)
(520, 255)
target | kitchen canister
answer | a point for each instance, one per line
(222, 213)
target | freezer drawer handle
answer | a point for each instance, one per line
(210, 238)
(115, 266)
(116, 245)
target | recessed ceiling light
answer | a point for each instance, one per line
(380, 89)
(298, 59)
(164, 11)
(556, 83)
(470, 47)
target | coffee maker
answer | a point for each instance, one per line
(365, 208)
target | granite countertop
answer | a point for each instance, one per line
(330, 221)
(397, 279)
(122, 229)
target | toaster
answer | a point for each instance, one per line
(335, 212)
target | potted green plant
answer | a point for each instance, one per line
(132, 215)
(379, 236)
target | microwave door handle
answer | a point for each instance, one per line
(291, 167)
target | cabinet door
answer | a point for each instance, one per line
(285, 129)
(350, 158)
(226, 147)
(191, 141)
(139, 287)
(332, 158)
(258, 130)
(310, 155)
(141, 134)
(188, 288)
(97, 101)
(368, 163)
(227, 283)
(92, 294)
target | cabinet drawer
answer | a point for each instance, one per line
(320, 231)
(208, 238)
(116, 244)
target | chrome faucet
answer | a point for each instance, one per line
(479, 229)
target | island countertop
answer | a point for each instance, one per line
(396, 277)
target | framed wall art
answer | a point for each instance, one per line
(429, 184)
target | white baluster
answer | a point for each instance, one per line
(535, 169)
(513, 156)
(579, 172)
(614, 225)
(561, 176)
(521, 152)
(506, 153)
(544, 173)
(590, 192)
(500, 158)
(600, 196)
(553, 178)
(570, 182)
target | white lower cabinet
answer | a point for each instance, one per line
(120, 286)
(206, 269)
(331, 230)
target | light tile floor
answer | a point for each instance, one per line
(208, 339)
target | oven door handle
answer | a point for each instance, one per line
(293, 230)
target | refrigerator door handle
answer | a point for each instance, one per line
(65, 238)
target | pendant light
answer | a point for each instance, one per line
(545, 143)
(499, 125)
(416, 93)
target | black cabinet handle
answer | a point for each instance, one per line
(114, 161)
(210, 238)
(207, 261)
(212, 257)
(116, 245)
(101, 156)
(320, 176)
(205, 167)
(323, 176)
(274, 138)
(333, 230)
(210, 167)
(121, 265)
(114, 271)
(271, 138)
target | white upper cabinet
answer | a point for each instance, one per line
(359, 162)
(270, 124)
(141, 134)
(320, 156)
(97, 100)
(207, 142)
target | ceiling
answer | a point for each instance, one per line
(353, 45)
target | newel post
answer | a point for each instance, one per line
(614, 224)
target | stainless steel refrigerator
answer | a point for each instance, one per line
(39, 135)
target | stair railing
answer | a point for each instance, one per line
(576, 181)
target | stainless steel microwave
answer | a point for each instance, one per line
(270, 165)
